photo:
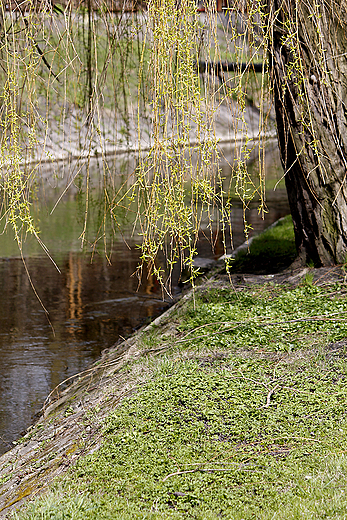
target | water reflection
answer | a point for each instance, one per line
(91, 304)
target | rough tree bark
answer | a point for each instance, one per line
(308, 64)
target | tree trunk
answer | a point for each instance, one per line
(308, 64)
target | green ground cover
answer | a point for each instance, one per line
(242, 414)
(269, 252)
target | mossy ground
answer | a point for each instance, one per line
(269, 252)
(242, 415)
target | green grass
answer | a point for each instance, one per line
(243, 416)
(270, 252)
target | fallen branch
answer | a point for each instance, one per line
(209, 470)
(268, 398)
(328, 317)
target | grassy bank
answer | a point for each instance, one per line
(237, 410)
(270, 252)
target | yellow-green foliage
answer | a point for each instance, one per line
(15, 184)
(88, 67)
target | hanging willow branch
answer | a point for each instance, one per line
(156, 76)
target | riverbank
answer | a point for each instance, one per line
(231, 404)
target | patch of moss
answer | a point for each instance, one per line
(270, 252)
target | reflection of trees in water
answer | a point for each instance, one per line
(90, 306)
(74, 286)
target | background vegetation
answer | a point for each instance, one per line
(82, 80)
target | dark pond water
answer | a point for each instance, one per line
(91, 304)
